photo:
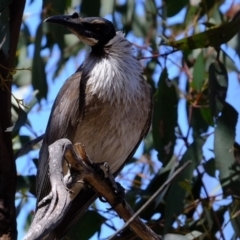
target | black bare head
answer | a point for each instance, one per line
(94, 31)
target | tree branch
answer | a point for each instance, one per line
(53, 208)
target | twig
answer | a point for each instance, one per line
(152, 198)
(28, 146)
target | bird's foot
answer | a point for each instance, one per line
(120, 195)
(118, 189)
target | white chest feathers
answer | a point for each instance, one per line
(116, 76)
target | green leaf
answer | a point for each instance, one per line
(139, 25)
(26, 183)
(199, 72)
(57, 6)
(91, 8)
(22, 118)
(218, 84)
(213, 37)
(174, 7)
(39, 79)
(148, 144)
(174, 208)
(89, 224)
(107, 7)
(223, 142)
(236, 152)
(207, 116)
(208, 7)
(164, 118)
(26, 33)
(210, 167)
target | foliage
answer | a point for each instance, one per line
(188, 65)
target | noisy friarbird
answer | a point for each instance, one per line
(105, 105)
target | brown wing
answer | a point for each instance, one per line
(65, 115)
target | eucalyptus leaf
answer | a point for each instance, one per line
(199, 72)
(213, 37)
(176, 194)
(90, 224)
(164, 118)
(39, 79)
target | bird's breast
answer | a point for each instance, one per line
(110, 130)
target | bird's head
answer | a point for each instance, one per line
(94, 31)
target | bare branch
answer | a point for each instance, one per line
(152, 198)
(53, 208)
(28, 146)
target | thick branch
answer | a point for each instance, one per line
(52, 209)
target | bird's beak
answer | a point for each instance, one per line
(69, 21)
(75, 24)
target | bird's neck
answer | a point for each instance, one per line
(114, 75)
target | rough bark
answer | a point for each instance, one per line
(7, 163)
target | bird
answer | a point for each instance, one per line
(106, 105)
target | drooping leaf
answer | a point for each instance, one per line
(128, 11)
(164, 118)
(90, 8)
(20, 205)
(149, 71)
(26, 183)
(210, 167)
(207, 6)
(173, 7)
(223, 145)
(223, 142)
(199, 72)
(39, 79)
(89, 224)
(218, 84)
(236, 152)
(153, 186)
(148, 144)
(173, 208)
(22, 118)
(213, 37)
(107, 7)
(26, 33)
(207, 115)
(139, 25)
